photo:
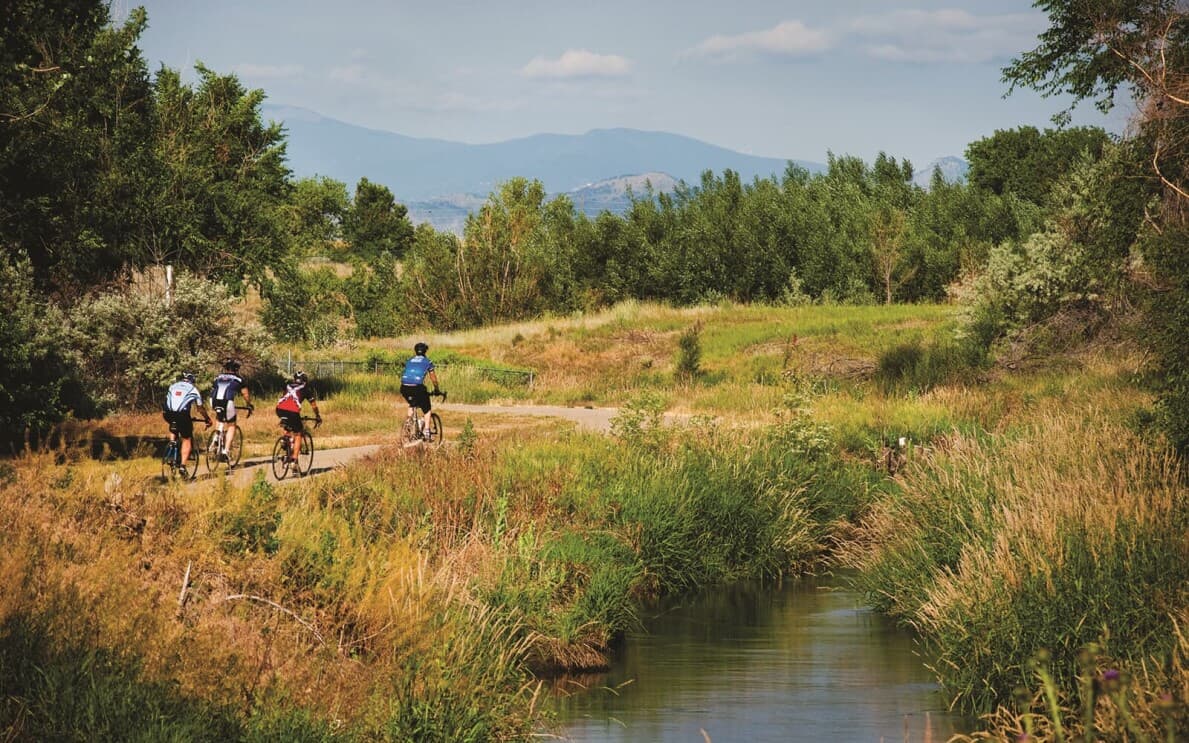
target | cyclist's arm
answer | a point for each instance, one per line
(433, 377)
(205, 415)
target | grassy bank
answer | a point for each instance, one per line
(406, 598)
(1031, 516)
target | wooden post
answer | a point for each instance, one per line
(169, 285)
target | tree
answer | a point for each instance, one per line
(1092, 49)
(315, 213)
(224, 181)
(75, 142)
(1026, 162)
(376, 224)
(887, 248)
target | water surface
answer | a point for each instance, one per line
(802, 661)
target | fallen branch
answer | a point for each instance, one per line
(185, 585)
(313, 630)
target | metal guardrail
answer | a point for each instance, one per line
(334, 367)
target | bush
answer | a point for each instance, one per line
(253, 526)
(132, 345)
(917, 367)
(689, 354)
(39, 378)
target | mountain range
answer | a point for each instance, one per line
(440, 181)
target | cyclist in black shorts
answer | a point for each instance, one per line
(412, 380)
(181, 397)
(223, 392)
(289, 409)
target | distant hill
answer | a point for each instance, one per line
(423, 170)
(953, 169)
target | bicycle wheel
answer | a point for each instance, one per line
(305, 460)
(189, 468)
(169, 461)
(213, 450)
(235, 447)
(408, 431)
(436, 437)
(280, 459)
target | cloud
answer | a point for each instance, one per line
(790, 39)
(247, 69)
(353, 74)
(946, 35)
(577, 63)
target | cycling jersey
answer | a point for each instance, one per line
(226, 386)
(416, 370)
(181, 396)
(295, 394)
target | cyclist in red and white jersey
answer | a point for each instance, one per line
(289, 409)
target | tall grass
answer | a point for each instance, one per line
(1048, 539)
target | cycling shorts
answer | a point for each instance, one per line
(291, 421)
(224, 410)
(179, 422)
(416, 395)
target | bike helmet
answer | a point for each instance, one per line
(230, 364)
(421, 349)
(300, 376)
(187, 377)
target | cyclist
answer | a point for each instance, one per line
(412, 381)
(223, 392)
(289, 409)
(181, 397)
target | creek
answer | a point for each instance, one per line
(804, 660)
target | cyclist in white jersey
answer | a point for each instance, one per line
(181, 397)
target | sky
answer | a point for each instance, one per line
(793, 79)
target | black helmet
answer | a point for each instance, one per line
(187, 377)
(230, 364)
(421, 349)
(300, 376)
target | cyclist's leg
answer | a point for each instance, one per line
(424, 404)
(185, 428)
(230, 415)
(292, 427)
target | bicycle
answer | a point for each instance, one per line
(235, 447)
(414, 428)
(171, 461)
(282, 450)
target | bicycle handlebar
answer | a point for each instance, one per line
(441, 394)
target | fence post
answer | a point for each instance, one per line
(289, 370)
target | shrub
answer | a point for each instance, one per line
(253, 526)
(132, 344)
(689, 354)
(39, 378)
(918, 367)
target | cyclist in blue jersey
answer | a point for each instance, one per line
(182, 396)
(224, 390)
(412, 381)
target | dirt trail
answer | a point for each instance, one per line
(592, 419)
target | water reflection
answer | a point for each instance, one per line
(799, 662)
